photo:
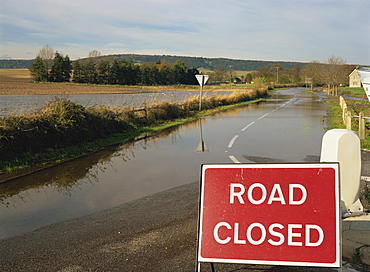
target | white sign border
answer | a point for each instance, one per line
(335, 165)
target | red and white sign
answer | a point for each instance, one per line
(280, 214)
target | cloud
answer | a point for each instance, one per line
(266, 29)
(6, 56)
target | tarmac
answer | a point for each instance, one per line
(356, 230)
(356, 238)
(154, 233)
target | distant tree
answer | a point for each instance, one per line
(66, 69)
(38, 70)
(78, 73)
(178, 71)
(103, 72)
(150, 74)
(114, 73)
(219, 73)
(61, 69)
(124, 73)
(335, 73)
(248, 78)
(94, 54)
(181, 74)
(190, 76)
(231, 74)
(89, 71)
(46, 53)
(265, 72)
(134, 75)
(313, 73)
(165, 77)
(295, 73)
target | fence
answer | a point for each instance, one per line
(347, 118)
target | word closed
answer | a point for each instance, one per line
(270, 214)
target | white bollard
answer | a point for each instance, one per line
(343, 146)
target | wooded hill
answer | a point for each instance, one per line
(198, 62)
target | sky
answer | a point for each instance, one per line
(284, 30)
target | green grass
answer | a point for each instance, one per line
(351, 91)
(335, 121)
(355, 106)
(334, 114)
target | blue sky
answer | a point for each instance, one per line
(286, 30)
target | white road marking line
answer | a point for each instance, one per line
(248, 126)
(232, 141)
(234, 159)
(263, 116)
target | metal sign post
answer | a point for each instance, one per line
(202, 79)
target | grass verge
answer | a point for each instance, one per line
(335, 121)
(354, 105)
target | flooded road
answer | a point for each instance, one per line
(288, 127)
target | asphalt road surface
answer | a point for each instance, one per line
(155, 233)
(158, 232)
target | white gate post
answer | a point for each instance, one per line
(343, 146)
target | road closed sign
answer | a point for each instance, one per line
(279, 214)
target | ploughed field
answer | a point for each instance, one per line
(19, 82)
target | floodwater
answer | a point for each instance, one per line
(20, 104)
(286, 128)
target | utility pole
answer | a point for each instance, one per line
(277, 74)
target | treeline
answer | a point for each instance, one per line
(131, 69)
(14, 64)
(332, 73)
(94, 70)
(199, 62)
(105, 71)
(206, 63)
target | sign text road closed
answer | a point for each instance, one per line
(282, 214)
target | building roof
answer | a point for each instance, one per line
(364, 73)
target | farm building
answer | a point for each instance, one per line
(355, 78)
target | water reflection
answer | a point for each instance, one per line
(91, 183)
(201, 146)
(66, 177)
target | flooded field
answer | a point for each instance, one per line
(19, 95)
(19, 104)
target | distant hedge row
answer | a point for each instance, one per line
(105, 71)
